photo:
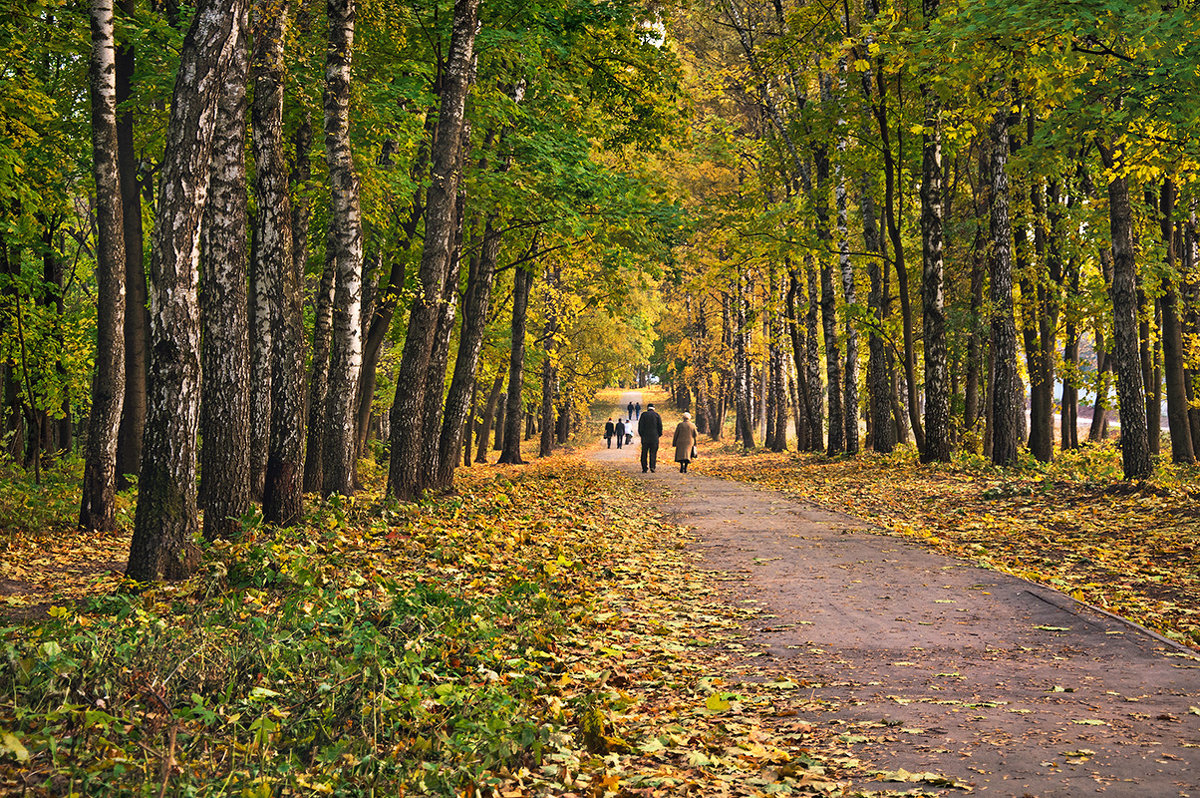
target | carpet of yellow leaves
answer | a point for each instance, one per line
(1131, 549)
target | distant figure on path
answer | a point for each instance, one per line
(620, 432)
(684, 442)
(609, 429)
(650, 430)
(631, 410)
(637, 410)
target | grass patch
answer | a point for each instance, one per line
(539, 632)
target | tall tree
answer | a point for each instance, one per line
(937, 444)
(278, 280)
(224, 322)
(165, 523)
(511, 438)
(1004, 331)
(346, 238)
(137, 316)
(1135, 438)
(98, 508)
(404, 480)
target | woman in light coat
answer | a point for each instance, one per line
(684, 442)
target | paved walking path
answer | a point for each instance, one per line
(942, 666)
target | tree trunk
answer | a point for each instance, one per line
(165, 524)
(460, 398)
(431, 415)
(284, 477)
(1070, 391)
(1004, 332)
(812, 357)
(225, 351)
(937, 444)
(98, 506)
(745, 399)
(489, 416)
(511, 444)
(345, 222)
(411, 378)
(1172, 336)
(318, 375)
(137, 315)
(1135, 443)
(260, 367)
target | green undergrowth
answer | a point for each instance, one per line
(537, 633)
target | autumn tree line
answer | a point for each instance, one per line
(918, 214)
(246, 243)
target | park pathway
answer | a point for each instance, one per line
(934, 664)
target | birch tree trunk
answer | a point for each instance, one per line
(937, 444)
(98, 506)
(225, 354)
(346, 236)
(284, 476)
(165, 523)
(1004, 330)
(411, 377)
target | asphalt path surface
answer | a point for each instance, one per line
(932, 664)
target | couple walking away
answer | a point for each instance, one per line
(650, 429)
(611, 430)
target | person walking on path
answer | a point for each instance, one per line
(619, 430)
(608, 433)
(650, 430)
(637, 410)
(684, 442)
(630, 409)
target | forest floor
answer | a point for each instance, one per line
(944, 673)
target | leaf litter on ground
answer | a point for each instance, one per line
(539, 632)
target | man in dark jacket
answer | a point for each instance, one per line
(630, 409)
(620, 432)
(650, 430)
(608, 432)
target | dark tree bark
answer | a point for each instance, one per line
(318, 376)
(937, 444)
(1172, 336)
(489, 416)
(224, 322)
(346, 235)
(799, 355)
(1004, 332)
(833, 365)
(1135, 442)
(742, 378)
(461, 395)
(137, 315)
(1070, 394)
(812, 356)
(432, 413)
(411, 380)
(284, 476)
(165, 524)
(511, 444)
(98, 506)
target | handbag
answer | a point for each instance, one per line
(693, 452)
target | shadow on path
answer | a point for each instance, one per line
(934, 664)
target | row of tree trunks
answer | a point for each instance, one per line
(404, 478)
(165, 523)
